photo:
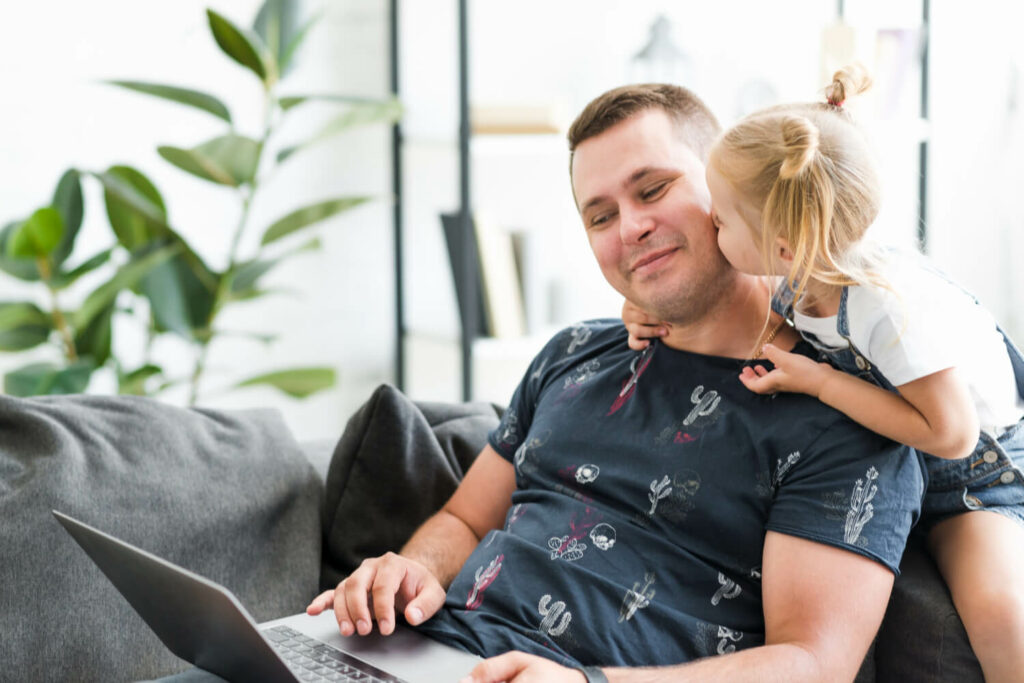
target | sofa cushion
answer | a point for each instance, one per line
(227, 495)
(396, 463)
(922, 637)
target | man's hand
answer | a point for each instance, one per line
(519, 667)
(793, 373)
(388, 582)
(641, 327)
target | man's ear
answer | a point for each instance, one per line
(782, 251)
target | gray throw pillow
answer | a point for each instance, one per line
(227, 495)
(396, 464)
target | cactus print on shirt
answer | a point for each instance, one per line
(645, 484)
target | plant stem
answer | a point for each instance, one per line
(224, 282)
(59, 321)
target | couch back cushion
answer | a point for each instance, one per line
(227, 495)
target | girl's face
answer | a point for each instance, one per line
(735, 233)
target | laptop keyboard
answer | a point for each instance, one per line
(313, 660)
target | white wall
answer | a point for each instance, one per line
(56, 114)
(534, 52)
(976, 224)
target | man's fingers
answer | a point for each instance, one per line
(427, 602)
(356, 602)
(320, 603)
(501, 668)
(387, 582)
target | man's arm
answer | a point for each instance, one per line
(822, 607)
(415, 580)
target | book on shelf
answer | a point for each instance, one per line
(500, 310)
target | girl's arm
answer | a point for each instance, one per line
(933, 414)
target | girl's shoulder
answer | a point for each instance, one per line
(907, 279)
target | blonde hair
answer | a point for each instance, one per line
(808, 170)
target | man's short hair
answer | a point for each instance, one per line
(695, 122)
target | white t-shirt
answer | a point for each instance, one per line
(927, 324)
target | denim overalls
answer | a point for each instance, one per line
(991, 477)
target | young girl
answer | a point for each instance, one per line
(793, 192)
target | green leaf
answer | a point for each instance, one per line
(291, 101)
(38, 236)
(134, 382)
(247, 274)
(358, 114)
(276, 24)
(94, 341)
(23, 269)
(228, 160)
(179, 300)
(242, 46)
(40, 379)
(191, 98)
(303, 217)
(260, 337)
(23, 325)
(135, 208)
(145, 218)
(23, 338)
(285, 60)
(297, 383)
(68, 278)
(67, 199)
(126, 277)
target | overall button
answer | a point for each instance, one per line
(1006, 477)
(990, 457)
(861, 363)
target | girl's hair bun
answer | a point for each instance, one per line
(800, 140)
(849, 81)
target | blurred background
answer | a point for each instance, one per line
(945, 116)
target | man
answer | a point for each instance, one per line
(639, 509)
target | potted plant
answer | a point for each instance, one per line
(152, 267)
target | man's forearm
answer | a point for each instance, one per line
(442, 545)
(783, 663)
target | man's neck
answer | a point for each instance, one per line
(735, 326)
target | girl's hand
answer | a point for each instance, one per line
(641, 327)
(793, 373)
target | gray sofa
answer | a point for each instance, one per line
(234, 497)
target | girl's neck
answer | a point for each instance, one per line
(819, 299)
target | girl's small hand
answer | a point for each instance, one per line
(793, 373)
(641, 327)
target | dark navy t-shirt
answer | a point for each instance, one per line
(645, 484)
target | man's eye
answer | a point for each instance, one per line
(600, 219)
(654, 191)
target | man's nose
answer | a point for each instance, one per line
(635, 225)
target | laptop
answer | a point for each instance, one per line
(204, 623)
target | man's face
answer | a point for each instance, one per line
(645, 204)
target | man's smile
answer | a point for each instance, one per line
(652, 261)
